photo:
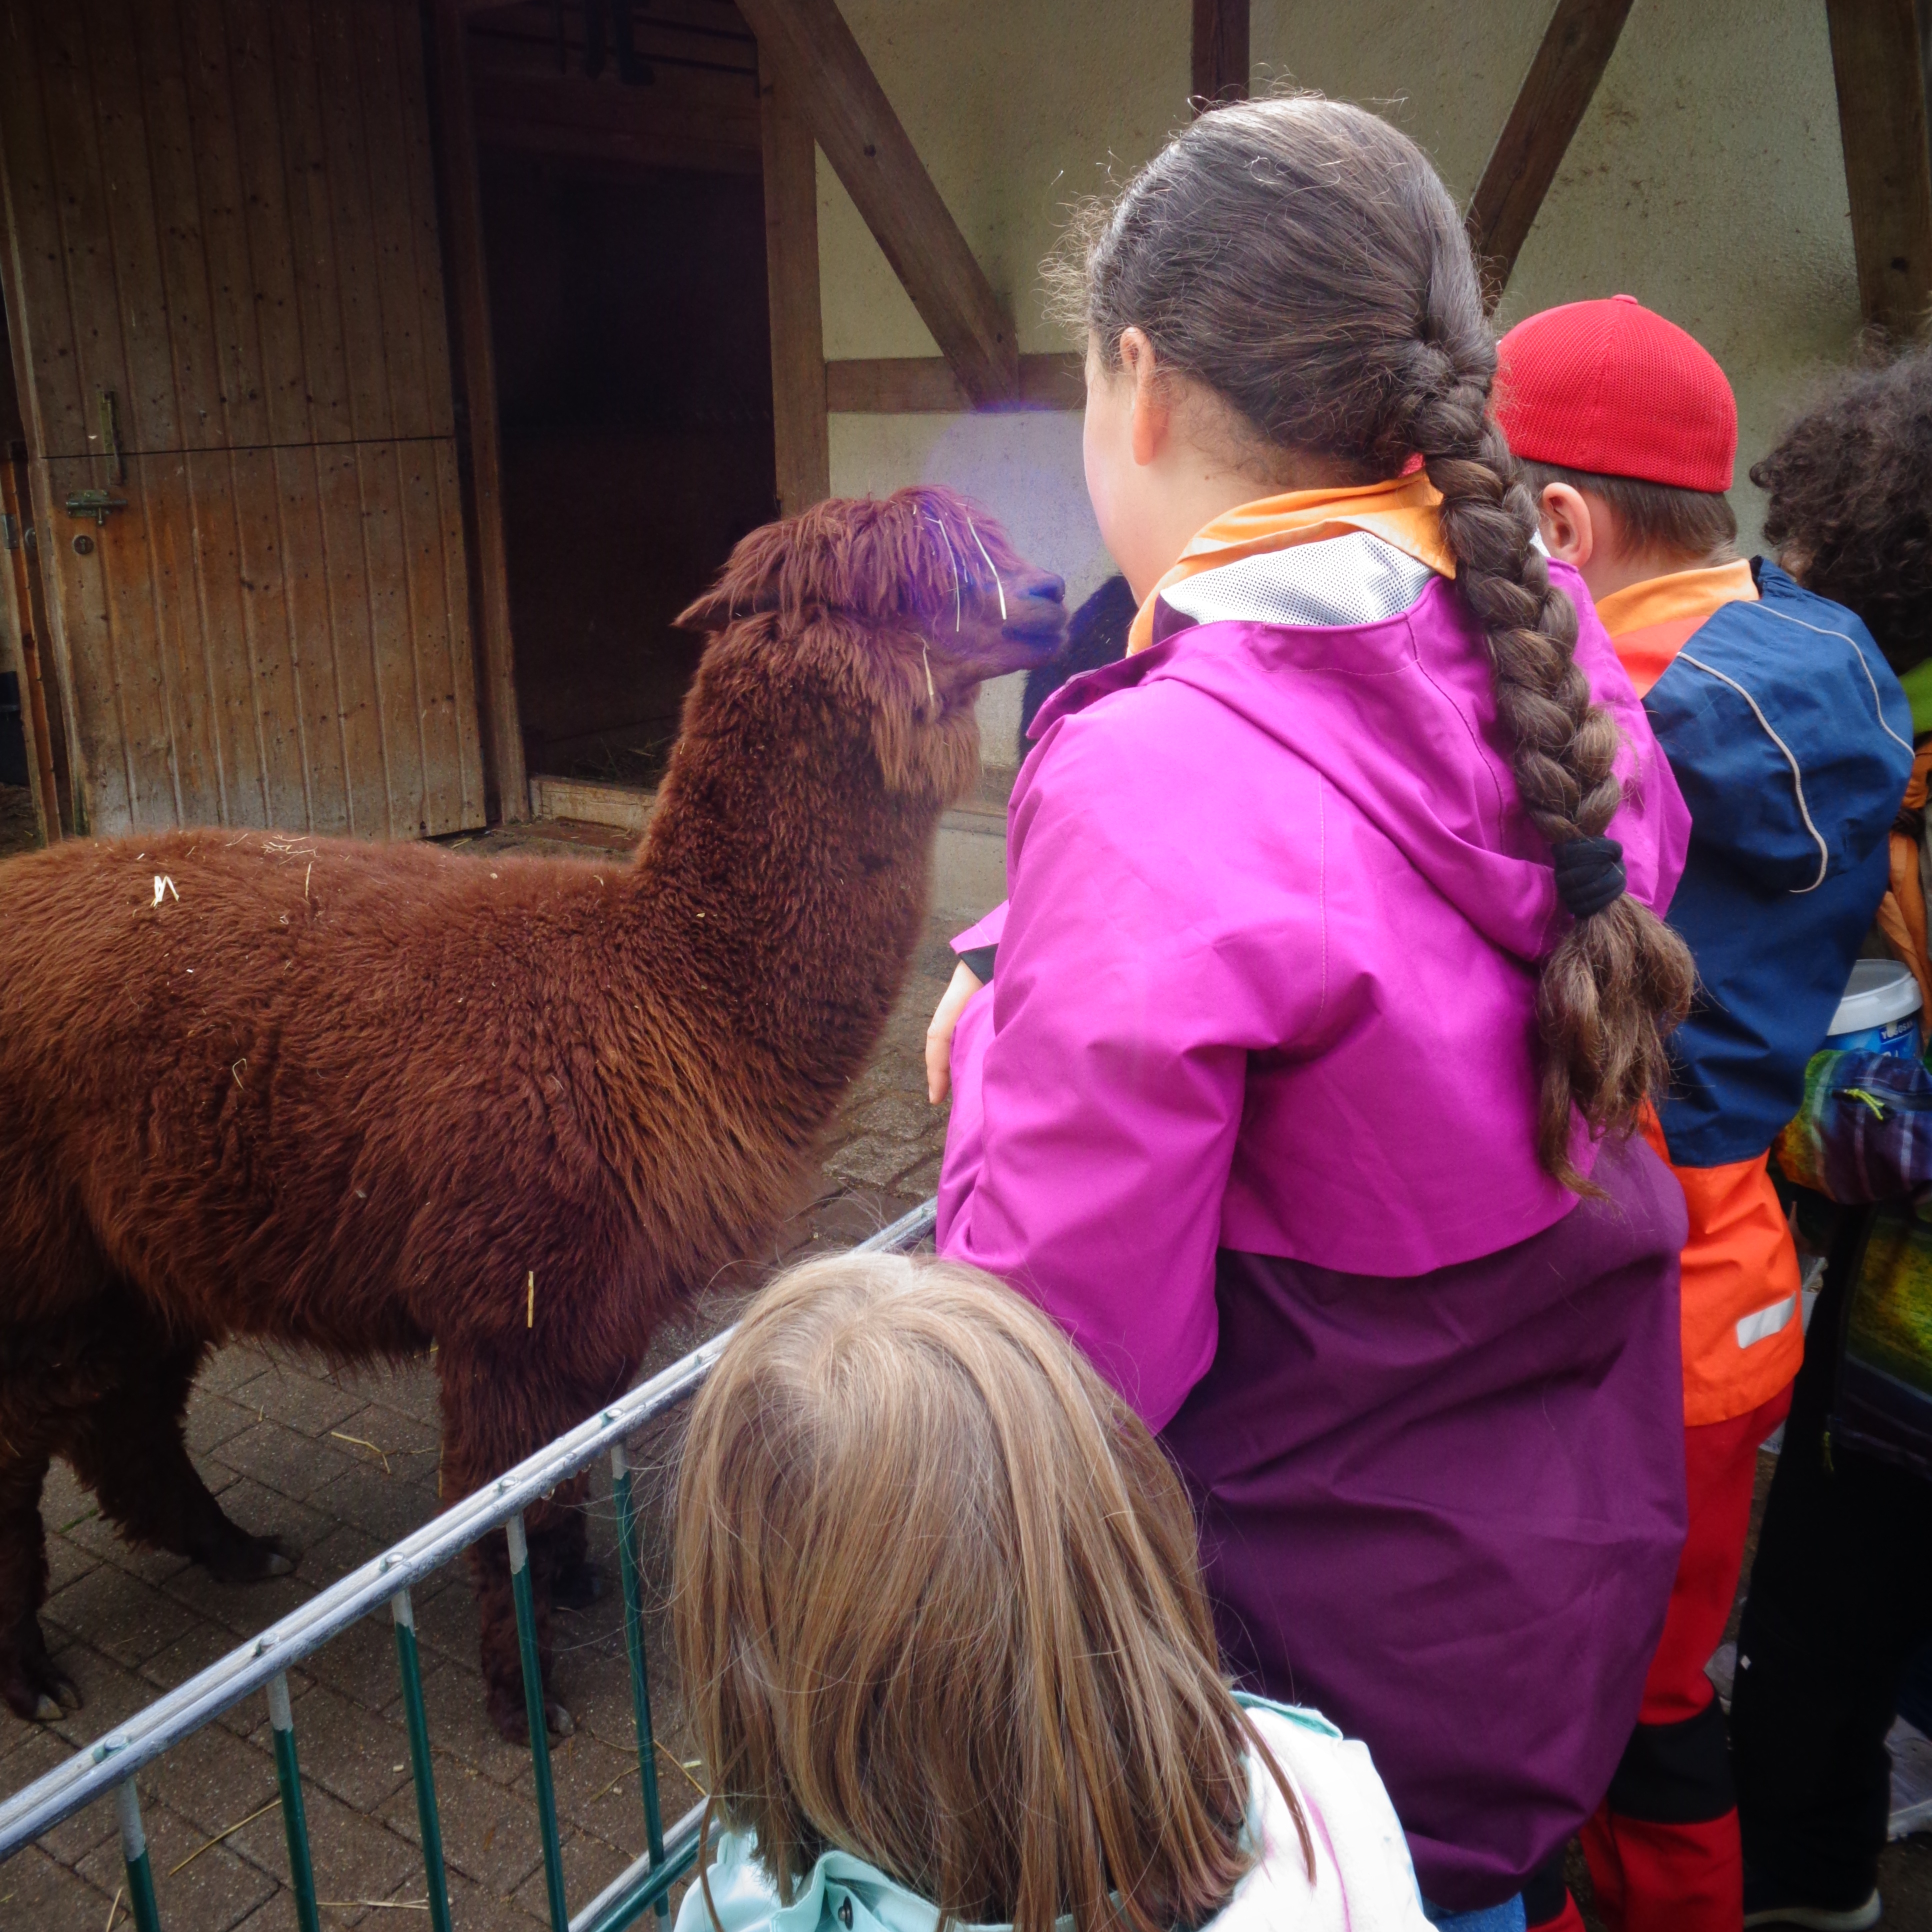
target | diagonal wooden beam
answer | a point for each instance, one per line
(808, 48)
(1576, 48)
(1878, 63)
(1220, 49)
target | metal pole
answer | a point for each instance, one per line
(634, 1643)
(294, 1820)
(134, 1852)
(429, 1820)
(533, 1706)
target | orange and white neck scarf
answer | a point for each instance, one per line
(1404, 512)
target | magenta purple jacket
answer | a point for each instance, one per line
(1266, 976)
(1258, 1061)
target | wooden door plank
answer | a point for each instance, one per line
(1220, 57)
(245, 688)
(398, 698)
(226, 265)
(810, 47)
(109, 787)
(311, 223)
(80, 196)
(429, 636)
(350, 633)
(352, 196)
(147, 409)
(1576, 48)
(185, 299)
(506, 784)
(282, 722)
(159, 619)
(398, 295)
(305, 590)
(1878, 64)
(406, 28)
(801, 439)
(42, 318)
(461, 667)
(268, 233)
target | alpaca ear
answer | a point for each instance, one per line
(722, 606)
(747, 584)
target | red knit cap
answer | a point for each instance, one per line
(1610, 388)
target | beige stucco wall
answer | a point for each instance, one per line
(1706, 180)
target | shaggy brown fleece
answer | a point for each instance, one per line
(358, 1098)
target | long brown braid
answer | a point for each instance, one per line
(1301, 258)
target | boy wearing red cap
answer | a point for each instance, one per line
(1791, 741)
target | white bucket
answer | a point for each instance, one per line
(1880, 1012)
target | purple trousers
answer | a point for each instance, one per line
(1445, 1510)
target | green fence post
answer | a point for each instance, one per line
(134, 1852)
(634, 1643)
(294, 1820)
(429, 1820)
(533, 1707)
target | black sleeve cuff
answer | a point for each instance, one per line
(979, 962)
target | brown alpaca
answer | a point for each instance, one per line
(354, 1097)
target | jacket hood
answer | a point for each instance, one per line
(1397, 712)
(1788, 734)
(1363, 1880)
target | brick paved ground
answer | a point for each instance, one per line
(346, 1464)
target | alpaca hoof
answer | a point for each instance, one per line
(513, 1723)
(29, 1681)
(250, 1559)
(577, 1587)
(33, 1689)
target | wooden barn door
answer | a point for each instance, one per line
(223, 273)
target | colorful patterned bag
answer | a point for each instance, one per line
(1863, 1135)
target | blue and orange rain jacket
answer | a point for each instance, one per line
(1792, 743)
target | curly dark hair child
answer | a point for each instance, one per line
(1850, 514)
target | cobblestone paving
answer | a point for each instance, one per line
(344, 1464)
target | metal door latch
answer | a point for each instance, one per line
(94, 503)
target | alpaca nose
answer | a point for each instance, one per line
(1050, 588)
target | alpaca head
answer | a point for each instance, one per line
(906, 603)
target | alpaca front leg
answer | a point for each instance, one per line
(503, 1695)
(564, 1549)
(485, 1431)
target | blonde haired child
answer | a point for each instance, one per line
(948, 1653)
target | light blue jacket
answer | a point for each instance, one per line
(1363, 1880)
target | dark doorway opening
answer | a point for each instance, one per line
(634, 391)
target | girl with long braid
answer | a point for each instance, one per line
(1331, 986)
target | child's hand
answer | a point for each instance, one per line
(965, 983)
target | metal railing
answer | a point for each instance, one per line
(110, 1763)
